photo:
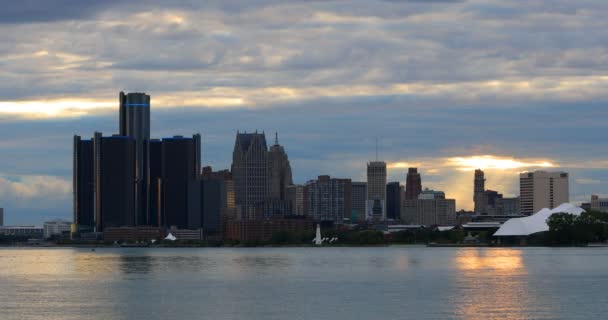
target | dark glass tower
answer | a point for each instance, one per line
(83, 184)
(114, 178)
(393, 200)
(413, 185)
(135, 123)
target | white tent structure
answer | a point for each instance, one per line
(535, 223)
(170, 237)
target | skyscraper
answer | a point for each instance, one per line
(180, 166)
(83, 184)
(413, 185)
(479, 195)
(250, 171)
(115, 175)
(541, 189)
(376, 190)
(279, 171)
(294, 195)
(135, 123)
(393, 200)
(358, 202)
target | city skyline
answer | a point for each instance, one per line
(436, 98)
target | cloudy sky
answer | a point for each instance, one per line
(447, 86)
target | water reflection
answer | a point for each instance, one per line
(493, 285)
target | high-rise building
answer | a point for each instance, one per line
(479, 196)
(295, 197)
(250, 171)
(115, 179)
(135, 123)
(155, 186)
(376, 190)
(279, 171)
(83, 184)
(180, 166)
(393, 201)
(413, 185)
(1, 217)
(328, 199)
(207, 202)
(541, 189)
(507, 207)
(596, 204)
(358, 202)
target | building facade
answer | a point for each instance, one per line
(393, 201)
(295, 197)
(413, 185)
(250, 171)
(429, 212)
(358, 202)
(376, 191)
(279, 171)
(83, 184)
(599, 204)
(479, 195)
(328, 199)
(56, 227)
(541, 189)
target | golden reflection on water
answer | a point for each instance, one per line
(493, 285)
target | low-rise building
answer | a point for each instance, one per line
(56, 227)
(133, 234)
(22, 231)
(599, 204)
(430, 209)
(263, 229)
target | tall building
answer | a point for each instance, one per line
(181, 165)
(135, 123)
(541, 189)
(413, 185)
(279, 171)
(328, 199)
(207, 202)
(1, 217)
(596, 204)
(393, 201)
(507, 207)
(376, 190)
(295, 197)
(115, 179)
(479, 196)
(250, 170)
(83, 184)
(358, 202)
(155, 186)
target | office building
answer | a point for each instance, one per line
(135, 123)
(155, 191)
(393, 201)
(295, 197)
(255, 230)
(56, 228)
(180, 166)
(413, 185)
(29, 232)
(1, 217)
(328, 199)
(115, 181)
(279, 171)
(430, 209)
(133, 234)
(541, 189)
(83, 184)
(479, 196)
(250, 170)
(376, 190)
(358, 202)
(599, 204)
(225, 176)
(507, 207)
(207, 203)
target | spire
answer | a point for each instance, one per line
(276, 138)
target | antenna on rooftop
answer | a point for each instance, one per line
(376, 148)
(276, 138)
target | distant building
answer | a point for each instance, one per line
(1, 217)
(413, 185)
(599, 204)
(358, 202)
(83, 184)
(279, 171)
(263, 229)
(56, 227)
(133, 234)
(507, 207)
(295, 197)
(115, 178)
(430, 209)
(393, 201)
(180, 166)
(328, 199)
(376, 191)
(22, 231)
(250, 170)
(479, 195)
(541, 189)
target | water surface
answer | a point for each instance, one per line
(304, 283)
